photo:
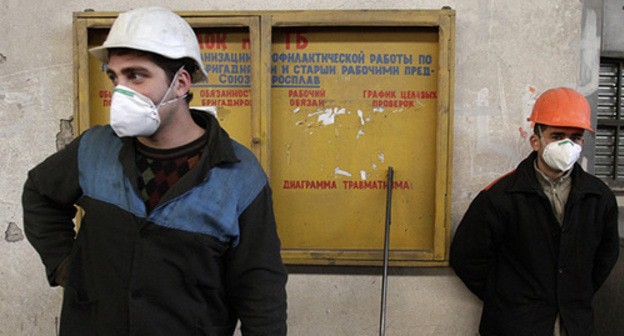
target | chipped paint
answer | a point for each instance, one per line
(361, 115)
(338, 171)
(288, 154)
(528, 100)
(363, 174)
(66, 133)
(328, 116)
(382, 157)
(523, 133)
(13, 233)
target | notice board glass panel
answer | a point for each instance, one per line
(347, 103)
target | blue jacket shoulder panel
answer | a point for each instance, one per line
(212, 207)
(101, 175)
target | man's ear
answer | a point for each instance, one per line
(184, 83)
(535, 142)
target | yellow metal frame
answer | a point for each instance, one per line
(261, 25)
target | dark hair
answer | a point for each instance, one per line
(170, 66)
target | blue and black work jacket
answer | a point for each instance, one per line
(206, 256)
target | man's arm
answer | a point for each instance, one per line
(256, 277)
(473, 250)
(48, 204)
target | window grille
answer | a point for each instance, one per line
(609, 164)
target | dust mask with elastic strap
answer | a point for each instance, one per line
(561, 155)
(133, 114)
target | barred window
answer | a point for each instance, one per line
(609, 164)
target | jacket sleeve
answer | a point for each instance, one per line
(609, 247)
(474, 246)
(48, 198)
(256, 277)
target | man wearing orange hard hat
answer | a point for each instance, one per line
(536, 244)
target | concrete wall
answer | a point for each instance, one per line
(507, 51)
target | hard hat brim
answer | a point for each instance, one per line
(101, 54)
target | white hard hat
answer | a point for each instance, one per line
(157, 30)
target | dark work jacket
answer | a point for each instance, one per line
(205, 257)
(510, 251)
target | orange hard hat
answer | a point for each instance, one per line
(562, 107)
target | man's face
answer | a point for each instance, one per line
(552, 134)
(139, 73)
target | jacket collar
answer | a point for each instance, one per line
(218, 148)
(526, 180)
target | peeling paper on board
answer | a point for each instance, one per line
(328, 116)
(338, 171)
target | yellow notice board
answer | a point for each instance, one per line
(350, 97)
(346, 104)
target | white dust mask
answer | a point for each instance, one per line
(561, 154)
(133, 114)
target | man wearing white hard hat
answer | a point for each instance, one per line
(178, 235)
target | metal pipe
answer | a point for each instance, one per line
(384, 282)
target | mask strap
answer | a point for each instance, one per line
(541, 135)
(173, 100)
(175, 78)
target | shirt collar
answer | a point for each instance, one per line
(542, 178)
